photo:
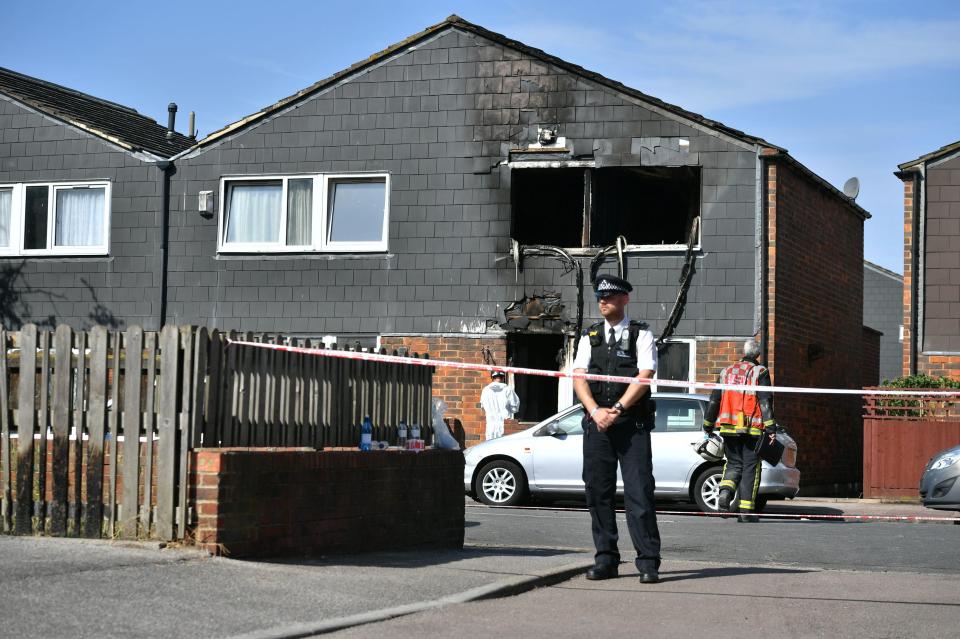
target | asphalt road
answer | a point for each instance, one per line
(719, 579)
(928, 548)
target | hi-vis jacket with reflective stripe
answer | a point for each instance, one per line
(741, 412)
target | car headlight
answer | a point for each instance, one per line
(944, 462)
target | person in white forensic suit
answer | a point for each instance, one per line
(499, 403)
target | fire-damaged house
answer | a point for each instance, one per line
(455, 194)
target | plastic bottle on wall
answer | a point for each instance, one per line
(414, 431)
(366, 433)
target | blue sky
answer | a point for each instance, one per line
(849, 88)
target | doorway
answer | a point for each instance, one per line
(538, 395)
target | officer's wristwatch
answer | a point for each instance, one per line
(619, 407)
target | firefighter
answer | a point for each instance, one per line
(616, 429)
(742, 417)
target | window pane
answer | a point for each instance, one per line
(6, 213)
(79, 217)
(253, 212)
(35, 218)
(356, 211)
(299, 212)
(679, 415)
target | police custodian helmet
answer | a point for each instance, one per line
(609, 285)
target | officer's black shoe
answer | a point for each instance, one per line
(723, 501)
(747, 518)
(602, 571)
(651, 577)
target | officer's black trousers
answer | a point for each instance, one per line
(626, 444)
(742, 470)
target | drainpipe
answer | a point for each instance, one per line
(166, 167)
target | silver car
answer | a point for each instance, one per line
(547, 460)
(939, 487)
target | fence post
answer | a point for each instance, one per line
(25, 428)
(62, 376)
(43, 423)
(167, 427)
(79, 420)
(113, 420)
(146, 513)
(6, 506)
(133, 367)
(96, 424)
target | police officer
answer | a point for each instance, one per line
(743, 416)
(616, 428)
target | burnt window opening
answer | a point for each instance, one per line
(577, 208)
(646, 205)
(548, 206)
(538, 395)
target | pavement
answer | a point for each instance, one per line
(106, 589)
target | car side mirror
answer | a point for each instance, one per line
(552, 430)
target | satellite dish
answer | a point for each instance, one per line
(851, 188)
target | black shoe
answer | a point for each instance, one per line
(602, 571)
(723, 501)
(651, 577)
(747, 519)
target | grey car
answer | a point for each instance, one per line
(547, 460)
(939, 487)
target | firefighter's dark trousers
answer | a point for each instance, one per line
(630, 446)
(742, 470)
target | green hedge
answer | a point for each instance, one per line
(919, 407)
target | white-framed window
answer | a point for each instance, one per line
(334, 212)
(55, 218)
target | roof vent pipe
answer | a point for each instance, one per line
(191, 127)
(171, 119)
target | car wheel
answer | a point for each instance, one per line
(501, 483)
(706, 490)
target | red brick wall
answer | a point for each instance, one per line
(459, 389)
(715, 355)
(815, 286)
(908, 194)
(262, 502)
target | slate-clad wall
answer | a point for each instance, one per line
(432, 117)
(941, 310)
(883, 311)
(118, 290)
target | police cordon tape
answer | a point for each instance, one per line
(516, 370)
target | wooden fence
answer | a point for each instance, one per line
(95, 441)
(900, 436)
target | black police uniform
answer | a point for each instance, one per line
(627, 441)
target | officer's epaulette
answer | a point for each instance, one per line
(592, 329)
(642, 325)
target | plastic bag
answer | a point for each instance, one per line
(441, 434)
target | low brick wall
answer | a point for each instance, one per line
(267, 502)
